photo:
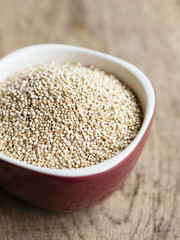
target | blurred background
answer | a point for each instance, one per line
(147, 34)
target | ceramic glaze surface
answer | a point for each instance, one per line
(82, 188)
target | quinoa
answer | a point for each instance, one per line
(66, 116)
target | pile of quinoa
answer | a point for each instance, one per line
(66, 116)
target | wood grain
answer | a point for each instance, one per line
(147, 34)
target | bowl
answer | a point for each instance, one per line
(73, 189)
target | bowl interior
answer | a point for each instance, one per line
(126, 72)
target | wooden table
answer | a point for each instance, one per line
(146, 33)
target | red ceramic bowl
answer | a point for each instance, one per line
(69, 190)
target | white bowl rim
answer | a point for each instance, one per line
(112, 162)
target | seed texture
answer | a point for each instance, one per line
(66, 116)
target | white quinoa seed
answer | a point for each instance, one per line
(65, 116)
